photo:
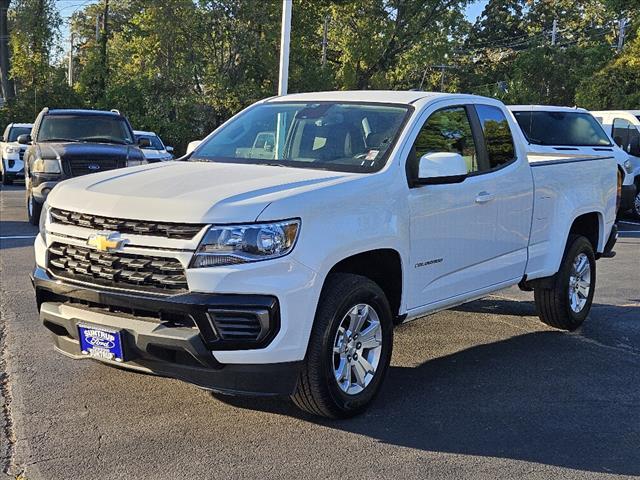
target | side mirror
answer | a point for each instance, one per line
(24, 139)
(192, 146)
(168, 148)
(144, 142)
(441, 167)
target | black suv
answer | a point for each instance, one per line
(69, 143)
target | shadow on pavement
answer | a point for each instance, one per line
(546, 397)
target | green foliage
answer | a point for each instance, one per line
(617, 85)
(182, 67)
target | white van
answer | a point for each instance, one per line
(574, 131)
(624, 127)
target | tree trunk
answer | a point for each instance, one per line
(8, 88)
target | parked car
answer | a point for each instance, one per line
(259, 267)
(157, 151)
(624, 127)
(71, 143)
(574, 131)
(11, 164)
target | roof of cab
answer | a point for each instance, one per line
(373, 96)
(544, 108)
(80, 111)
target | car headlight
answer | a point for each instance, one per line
(10, 149)
(46, 165)
(234, 244)
(44, 217)
(628, 166)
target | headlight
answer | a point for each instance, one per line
(233, 244)
(10, 149)
(44, 216)
(628, 166)
(46, 165)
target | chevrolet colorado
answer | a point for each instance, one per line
(277, 257)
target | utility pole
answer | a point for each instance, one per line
(8, 88)
(285, 38)
(554, 32)
(71, 60)
(104, 36)
(97, 27)
(622, 24)
(325, 40)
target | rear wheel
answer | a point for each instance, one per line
(567, 302)
(6, 179)
(349, 350)
(34, 208)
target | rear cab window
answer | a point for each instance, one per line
(497, 136)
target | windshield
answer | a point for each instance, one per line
(154, 140)
(84, 128)
(577, 129)
(352, 137)
(15, 132)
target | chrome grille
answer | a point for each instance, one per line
(120, 270)
(183, 231)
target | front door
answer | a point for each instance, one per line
(458, 241)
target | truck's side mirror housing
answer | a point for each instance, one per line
(441, 167)
(168, 148)
(24, 139)
(193, 145)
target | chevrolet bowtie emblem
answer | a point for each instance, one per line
(106, 241)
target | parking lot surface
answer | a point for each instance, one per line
(481, 391)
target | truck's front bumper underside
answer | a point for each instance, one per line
(170, 336)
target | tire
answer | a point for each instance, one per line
(6, 179)
(635, 208)
(34, 208)
(318, 391)
(554, 306)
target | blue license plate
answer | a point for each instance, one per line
(101, 343)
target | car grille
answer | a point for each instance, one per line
(82, 167)
(120, 270)
(183, 231)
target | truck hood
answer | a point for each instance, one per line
(89, 151)
(188, 192)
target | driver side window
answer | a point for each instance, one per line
(447, 130)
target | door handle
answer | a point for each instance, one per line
(484, 197)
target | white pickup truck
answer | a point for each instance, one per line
(278, 256)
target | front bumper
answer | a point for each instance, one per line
(167, 336)
(627, 197)
(42, 184)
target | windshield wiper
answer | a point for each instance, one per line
(105, 140)
(60, 140)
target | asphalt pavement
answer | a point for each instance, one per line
(483, 391)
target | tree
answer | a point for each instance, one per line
(8, 89)
(617, 85)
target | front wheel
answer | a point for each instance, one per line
(6, 179)
(34, 208)
(566, 303)
(349, 349)
(635, 208)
